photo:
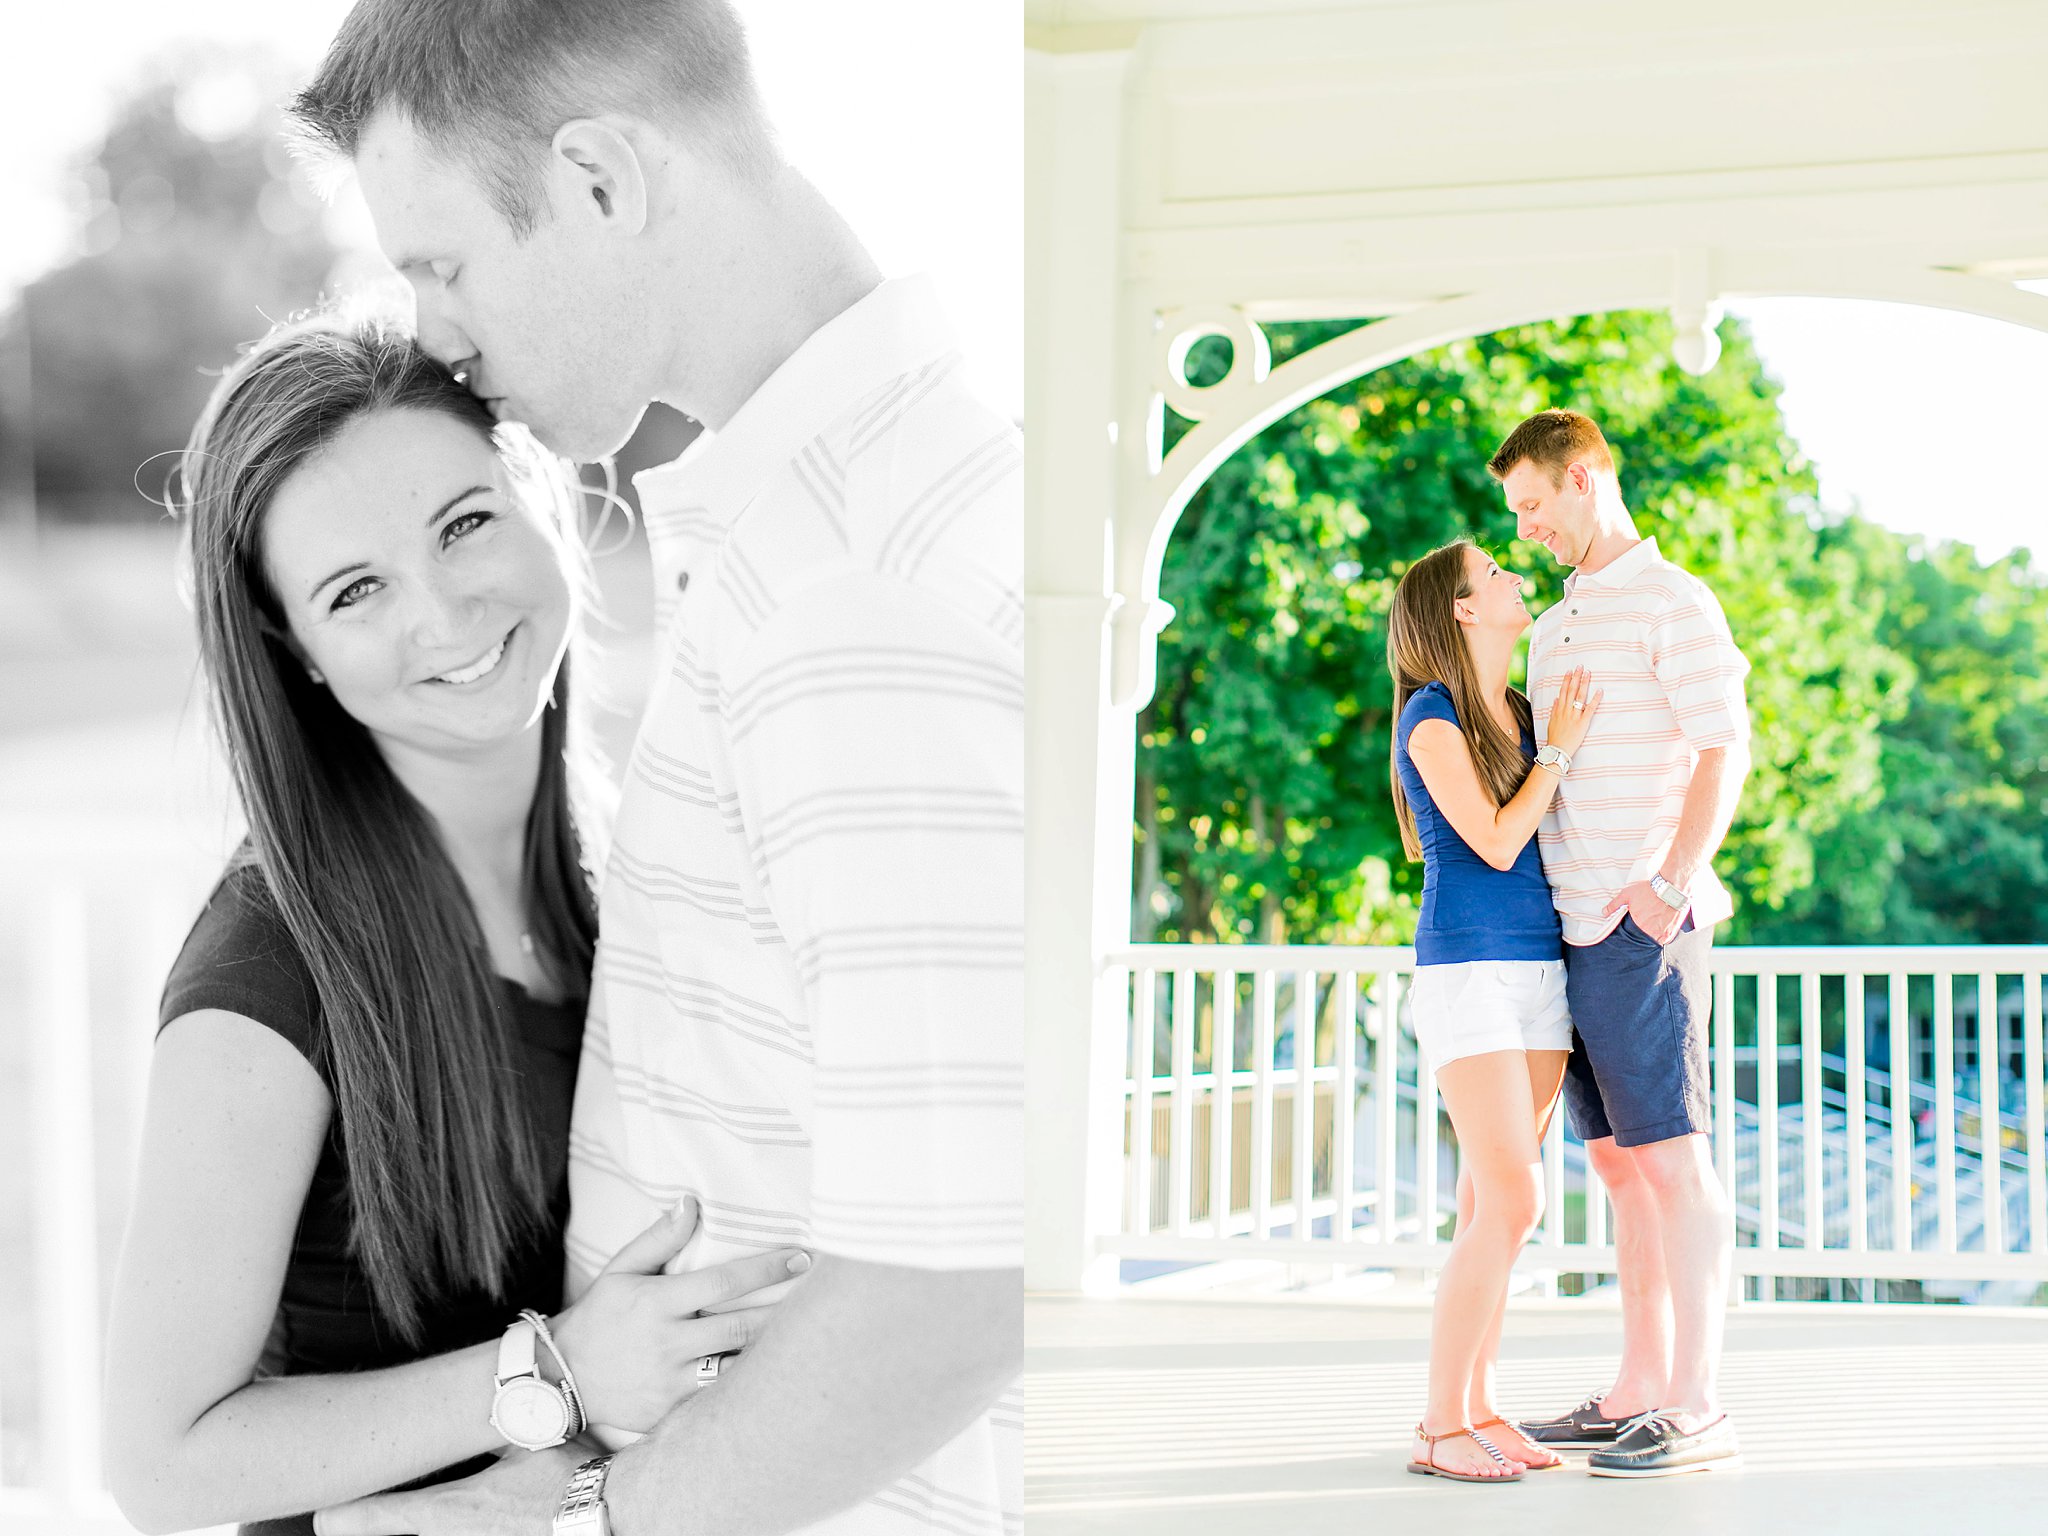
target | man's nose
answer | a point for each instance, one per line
(442, 338)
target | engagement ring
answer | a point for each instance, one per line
(1578, 703)
(707, 1369)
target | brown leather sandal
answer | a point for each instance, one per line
(1527, 1466)
(1431, 1469)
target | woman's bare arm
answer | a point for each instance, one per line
(235, 1122)
(1498, 833)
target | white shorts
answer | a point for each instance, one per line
(1477, 1006)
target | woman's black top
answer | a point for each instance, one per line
(241, 958)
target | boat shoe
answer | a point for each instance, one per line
(1654, 1446)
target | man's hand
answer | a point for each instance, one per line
(518, 1496)
(1656, 917)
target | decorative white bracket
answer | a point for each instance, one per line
(1251, 360)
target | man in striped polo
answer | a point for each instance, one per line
(805, 1016)
(1626, 847)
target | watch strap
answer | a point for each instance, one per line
(582, 1509)
(579, 1419)
(1673, 896)
(515, 1351)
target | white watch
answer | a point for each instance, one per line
(1554, 757)
(1672, 896)
(528, 1409)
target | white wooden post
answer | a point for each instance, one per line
(1077, 768)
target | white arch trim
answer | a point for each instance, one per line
(1255, 399)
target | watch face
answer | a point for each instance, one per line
(531, 1414)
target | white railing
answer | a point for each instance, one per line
(92, 910)
(1912, 1176)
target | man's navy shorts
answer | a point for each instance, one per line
(1638, 1068)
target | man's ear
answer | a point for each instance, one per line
(1581, 477)
(595, 170)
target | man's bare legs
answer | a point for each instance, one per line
(1673, 1248)
(1546, 1077)
(1698, 1248)
(1488, 1098)
(1644, 1376)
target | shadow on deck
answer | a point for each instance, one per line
(1233, 1415)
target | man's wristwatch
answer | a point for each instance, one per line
(529, 1410)
(583, 1512)
(1556, 759)
(1672, 896)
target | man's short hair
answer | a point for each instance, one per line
(1551, 440)
(487, 82)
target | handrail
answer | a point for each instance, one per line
(1951, 1213)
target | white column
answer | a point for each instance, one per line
(1074, 1016)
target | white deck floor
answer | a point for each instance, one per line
(1292, 1415)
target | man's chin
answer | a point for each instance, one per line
(581, 442)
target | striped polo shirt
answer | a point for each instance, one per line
(1658, 646)
(807, 1005)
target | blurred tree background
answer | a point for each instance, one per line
(195, 230)
(1899, 695)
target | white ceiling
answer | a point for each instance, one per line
(1372, 156)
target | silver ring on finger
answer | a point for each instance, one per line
(1578, 703)
(709, 1367)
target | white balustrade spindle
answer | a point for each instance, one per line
(1262, 1104)
(1990, 1128)
(1304, 1103)
(1140, 1181)
(1945, 1112)
(1222, 1097)
(1344, 1105)
(1181, 1127)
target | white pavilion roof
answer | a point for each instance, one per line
(1361, 158)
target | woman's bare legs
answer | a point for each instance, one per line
(1546, 1078)
(1488, 1099)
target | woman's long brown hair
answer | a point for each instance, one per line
(444, 1172)
(1426, 645)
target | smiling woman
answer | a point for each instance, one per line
(406, 596)
(351, 1181)
(354, 1160)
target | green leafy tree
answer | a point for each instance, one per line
(1263, 766)
(1957, 851)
